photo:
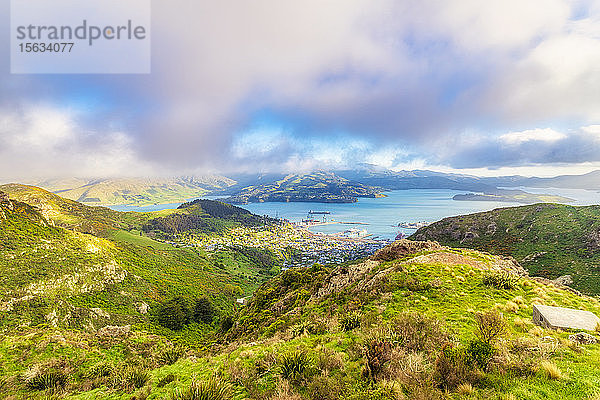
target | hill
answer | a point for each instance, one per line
(417, 321)
(589, 181)
(321, 187)
(512, 196)
(54, 269)
(549, 240)
(135, 191)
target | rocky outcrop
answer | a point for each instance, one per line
(344, 276)
(402, 248)
(583, 338)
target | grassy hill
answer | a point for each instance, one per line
(415, 322)
(136, 191)
(549, 240)
(54, 271)
(322, 187)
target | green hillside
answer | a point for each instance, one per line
(418, 321)
(123, 316)
(321, 187)
(549, 240)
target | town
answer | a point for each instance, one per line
(293, 244)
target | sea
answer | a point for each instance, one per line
(380, 217)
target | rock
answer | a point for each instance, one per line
(565, 280)
(583, 338)
(113, 330)
(491, 229)
(142, 307)
(98, 312)
(469, 236)
(402, 248)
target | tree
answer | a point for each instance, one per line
(204, 311)
(171, 315)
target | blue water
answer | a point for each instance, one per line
(383, 214)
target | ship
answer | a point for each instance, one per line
(319, 212)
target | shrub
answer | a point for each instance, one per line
(511, 307)
(550, 370)
(166, 380)
(500, 280)
(212, 389)
(416, 332)
(100, 370)
(377, 351)
(295, 365)
(301, 328)
(47, 380)
(137, 378)
(173, 314)
(226, 323)
(465, 389)
(490, 326)
(170, 356)
(451, 368)
(480, 353)
(349, 321)
(204, 311)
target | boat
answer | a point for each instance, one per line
(319, 212)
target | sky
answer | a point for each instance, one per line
(480, 87)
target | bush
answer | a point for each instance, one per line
(501, 280)
(295, 365)
(212, 389)
(550, 370)
(226, 323)
(480, 353)
(490, 326)
(349, 321)
(47, 380)
(166, 380)
(174, 314)
(416, 332)
(100, 370)
(204, 311)
(136, 378)
(452, 368)
(170, 356)
(377, 351)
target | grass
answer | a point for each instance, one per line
(549, 240)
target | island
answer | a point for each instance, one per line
(512, 196)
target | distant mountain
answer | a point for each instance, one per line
(549, 240)
(321, 187)
(135, 191)
(590, 181)
(417, 179)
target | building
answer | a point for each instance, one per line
(564, 318)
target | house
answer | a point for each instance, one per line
(564, 318)
(242, 300)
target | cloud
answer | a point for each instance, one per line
(532, 135)
(342, 81)
(527, 148)
(43, 136)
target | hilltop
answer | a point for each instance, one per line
(322, 187)
(549, 240)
